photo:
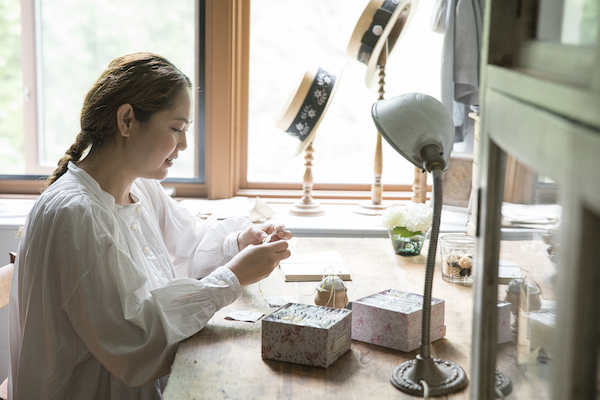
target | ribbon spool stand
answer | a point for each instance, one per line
(419, 186)
(307, 206)
(376, 206)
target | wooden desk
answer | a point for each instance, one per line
(223, 361)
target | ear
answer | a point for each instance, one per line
(125, 119)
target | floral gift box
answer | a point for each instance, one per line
(306, 334)
(392, 319)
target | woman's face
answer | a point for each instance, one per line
(158, 142)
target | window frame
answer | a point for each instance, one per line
(240, 186)
(226, 32)
(32, 184)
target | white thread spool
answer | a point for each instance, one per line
(331, 292)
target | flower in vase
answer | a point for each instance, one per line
(406, 221)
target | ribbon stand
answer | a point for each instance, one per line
(419, 186)
(307, 206)
(376, 205)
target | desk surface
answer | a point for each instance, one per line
(224, 359)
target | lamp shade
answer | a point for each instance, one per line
(412, 121)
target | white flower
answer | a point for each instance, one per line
(312, 113)
(416, 217)
(393, 216)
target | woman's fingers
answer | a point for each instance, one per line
(279, 247)
(257, 262)
(276, 232)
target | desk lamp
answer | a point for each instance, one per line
(420, 128)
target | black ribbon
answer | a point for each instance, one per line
(369, 39)
(313, 105)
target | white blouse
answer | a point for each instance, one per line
(102, 294)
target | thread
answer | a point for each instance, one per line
(425, 389)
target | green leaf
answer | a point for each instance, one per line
(402, 231)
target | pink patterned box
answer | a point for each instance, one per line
(392, 318)
(306, 334)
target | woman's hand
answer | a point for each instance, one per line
(255, 235)
(256, 262)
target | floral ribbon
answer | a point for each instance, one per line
(313, 105)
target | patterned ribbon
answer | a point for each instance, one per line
(313, 105)
(380, 20)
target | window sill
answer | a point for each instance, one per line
(339, 220)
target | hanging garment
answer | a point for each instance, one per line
(461, 62)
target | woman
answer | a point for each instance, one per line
(107, 278)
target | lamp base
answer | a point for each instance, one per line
(442, 377)
(503, 383)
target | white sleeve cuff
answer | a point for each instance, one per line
(230, 245)
(223, 276)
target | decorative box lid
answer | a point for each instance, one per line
(308, 315)
(396, 300)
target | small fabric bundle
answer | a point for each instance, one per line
(331, 292)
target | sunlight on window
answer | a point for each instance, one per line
(78, 41)
(289, 37)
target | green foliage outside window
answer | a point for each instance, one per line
(11, 81)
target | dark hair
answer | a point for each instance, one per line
(148, 82)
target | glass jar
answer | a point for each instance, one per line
(407, 246)
(456, 252)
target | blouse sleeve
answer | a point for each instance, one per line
(131, 330)
(196, 247)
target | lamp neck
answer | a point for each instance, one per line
(431, 155)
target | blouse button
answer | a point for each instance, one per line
(138, 209)
(221, 283)
(146, 249)
(133, 227)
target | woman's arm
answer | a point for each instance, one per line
(197, 247)
(132, 330)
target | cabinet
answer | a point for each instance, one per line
(540, 104)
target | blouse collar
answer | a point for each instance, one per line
(106, 198)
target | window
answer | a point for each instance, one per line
(11, 78)
(66, 45)
(238, 149)
(571, 22)
(286, 39)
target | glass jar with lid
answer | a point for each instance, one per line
(456, 252)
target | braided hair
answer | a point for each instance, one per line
(146, 81)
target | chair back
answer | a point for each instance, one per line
(5, 278)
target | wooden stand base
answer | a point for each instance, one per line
(312, 209)
(370, 208)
